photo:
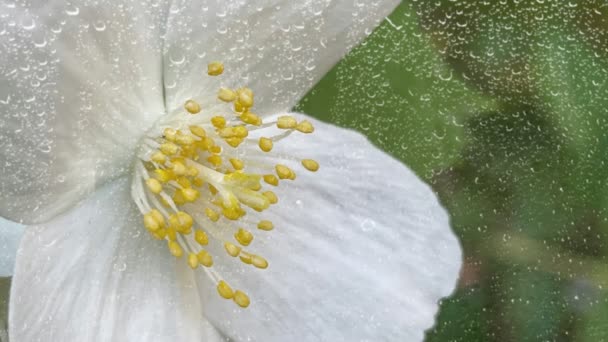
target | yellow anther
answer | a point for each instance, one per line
(190, 195)
(184, 139)
(179, 169)
(305, 127)
(245, 257)
(192, 171)
(272, 197)
(150, 223)
(215, 149)
(198, 182)
(158, 157)
(170, 134)
(159, 234)
(192, 260)
(238, 107)
(175, 249)
(265, 225)
(241, 131)
(310, 165)
(287, 122)
(215, 68)
(232, 249)
(205, 259)
(205, 143)
(284, 172)
(250, 118)
(169, 148)
(212, 189)
(225, 290)
(218, 122)
(201, 237)
(181, 221)
(184, 182)
(271, 179)
(198, 131)
(154, 185)
(164, 175)
(234, 142)
(252, 199)
(226, 94)
(215, 160)
(192, 107)
(178, 198)
(158, 217)
(245, 97)
(212, 214)
(244, 237)
(265, 144)
(259, 262)
(241, 299)
(233, 213)
(237, 164)
(171, 234)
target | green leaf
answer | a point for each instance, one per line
(396, 89)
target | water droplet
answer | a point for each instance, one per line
(72, 11)
(99, 26)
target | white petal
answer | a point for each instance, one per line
(361, 251)
(278, 48)
(80, 82)
(94, 274)
(10, 234)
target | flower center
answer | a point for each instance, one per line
(199, 175)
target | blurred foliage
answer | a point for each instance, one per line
(502, 107)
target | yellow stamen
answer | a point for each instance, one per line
(158, 157)
(192, 260)
(198, 131)
(215, 68)
(272, 197)
(305, 127)
(310, 165)
(201, 237)
(237, 164)
(212, 214)
(244, 237)
(265, 225)
(245, 97)
(241, 299)
(259, 262)
(226, 95)
(218, 122)
(265, 144)
(175, 249)
(284, 172)
(204, 258)
(225, 290)
(192, 107)
(154, 185)
(286, 122)
(232, 249)
(169, 148)
(271, 179)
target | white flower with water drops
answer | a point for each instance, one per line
(174, 197)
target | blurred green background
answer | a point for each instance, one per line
(502, 106)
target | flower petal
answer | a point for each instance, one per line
(362, 250)
(93, 274)
(278, 48)
(80, 82)
(10, 234)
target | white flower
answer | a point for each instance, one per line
(91, 91)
